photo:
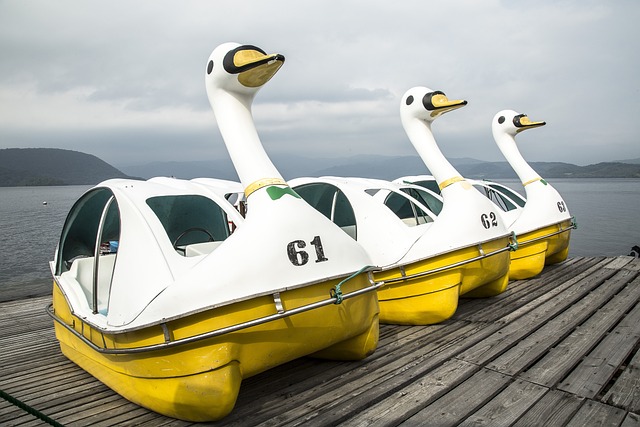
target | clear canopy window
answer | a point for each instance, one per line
(430, 185)
(517, 198)
(190, 219)
(406, 210)
(331, 202)
(95, 212)
(427, 199)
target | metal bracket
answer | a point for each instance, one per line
(403, 273)
(278, 302)
(165, 331)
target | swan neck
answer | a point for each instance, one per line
(507, 145)
(422, 138)
(235, 121)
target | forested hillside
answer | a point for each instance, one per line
(52, 166)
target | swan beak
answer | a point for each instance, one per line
(438, 103)
(522, 122)
(253, 66)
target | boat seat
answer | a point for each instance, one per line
(411, 222)
(82, 271)
(350, 230)
(197, 249)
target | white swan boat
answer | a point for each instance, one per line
(156, 298)
(427, 258)
(545, 229)
(543, 224)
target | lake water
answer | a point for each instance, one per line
(607, 211)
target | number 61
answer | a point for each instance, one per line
(299, 257)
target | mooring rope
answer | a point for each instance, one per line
(336, 292)
(29, 409)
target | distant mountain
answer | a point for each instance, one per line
(632, 161)
(381, 167)
(49, 166)
(292, 166)
(394, 167)
(52, 166)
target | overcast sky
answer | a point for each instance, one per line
(124, 80)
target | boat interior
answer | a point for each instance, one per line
(88, 249)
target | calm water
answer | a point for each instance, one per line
(30, 231)
(607, 212)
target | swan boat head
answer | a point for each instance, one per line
(420, 107)
(505, 125)
(234, 75)
(544, 205)
(463, 219)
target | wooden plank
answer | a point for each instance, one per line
(403, 404)
(596, 414)
(519, 328)
(535, 345)
(463, 400)
(416, 374)
(508, 406)
(76, 401)
(576, 282)
(620, 262)
(94, 412)
(634, 265)
(625, 392)
(631, 420)
(381, 378)
(559, 361)
(598, 367)
(555, 408)
(331, 374)
(534, 292)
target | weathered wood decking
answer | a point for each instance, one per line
(560, 349)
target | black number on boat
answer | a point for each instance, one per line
(296, 256)
(489, 221)
(319, 249)
(562, 207)
(299, 257)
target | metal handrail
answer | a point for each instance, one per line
(211, 334)
(96, 256)
(560, 231)
(446, 267)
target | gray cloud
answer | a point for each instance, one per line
(124, 80)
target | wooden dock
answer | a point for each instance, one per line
(559, 349)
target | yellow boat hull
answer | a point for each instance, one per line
(544, 246)
(429, 298)
(199, 381)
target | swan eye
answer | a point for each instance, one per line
(501, 119)
(210, 67)
(410, 100)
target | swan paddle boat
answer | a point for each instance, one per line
(471, 220)
(428, 252)
(154, 296)
(542, 223)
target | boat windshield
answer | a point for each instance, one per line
(88, 247)
(512, 195)
(426, 198)
(190, 219)
(330, 201)
(410, 213)
(429, 185)
(85, 220)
